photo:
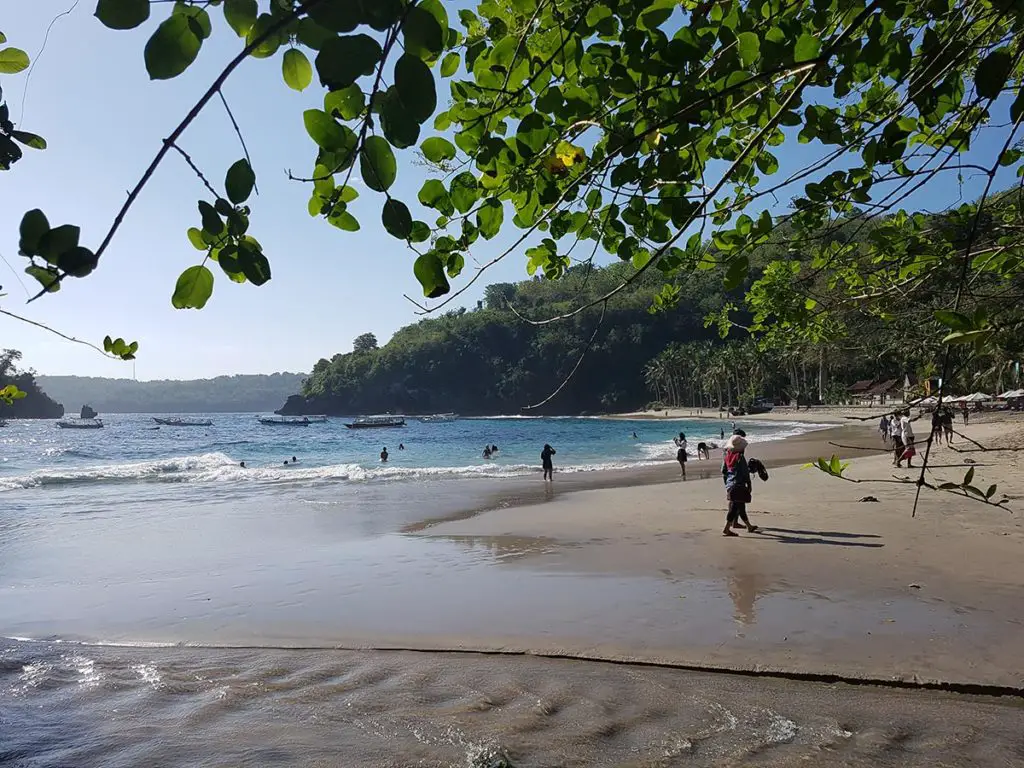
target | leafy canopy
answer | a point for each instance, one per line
(647, 129)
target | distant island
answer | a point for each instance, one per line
(36, 404)
(242, 393)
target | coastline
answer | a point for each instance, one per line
(832, 586)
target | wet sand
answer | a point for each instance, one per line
(830, 584)
(91, 707)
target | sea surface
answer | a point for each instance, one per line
(160, 605)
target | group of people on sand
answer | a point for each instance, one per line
(897, 428)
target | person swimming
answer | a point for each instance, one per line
(242, 464)
(487, 451)
(294, 460)
(401, 446)
(384, 454)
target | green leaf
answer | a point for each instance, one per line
(12, 61)
(239, 181)
(172, 48)
(259, 31)
(48, 277)
(29, 139)
(396, 219)
(58, 241)
(122, 14)
(434, 195)
(296, 69)
(415, 84)
(749, 45)
(834, 465)
(489, 217)
(348, 103)
(195, 236)
(436, 149)
(241, 15)
(377, 164)
(327, 132)
(992, 72)
(253, 263)
(449, 64)
(3, 38)
(420, 232)
(464, 191)
(422, 34)
(337, 16)
(77, 262)
(969, 477)
(966, 337)
(807, 47)
(193, 289)
(344, 220)
(33, 226)
(954, 320)
(431, 273)
(381, 14)
(212, 222)
(398, 124)
(344, 60)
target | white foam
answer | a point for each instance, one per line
(178, 467)
(148, 674)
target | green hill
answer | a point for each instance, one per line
(223, 394)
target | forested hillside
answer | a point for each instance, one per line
(224, 394)
(492, 360)
(36, 404)
(687, 340)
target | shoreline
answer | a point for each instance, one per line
(947, 580)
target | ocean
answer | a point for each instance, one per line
(161, 605)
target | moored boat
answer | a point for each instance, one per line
(176, 422)
(285, 421)
(72, 423)
(374, 422)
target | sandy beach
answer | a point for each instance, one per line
(830, 585)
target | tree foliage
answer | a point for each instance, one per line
(20, 394)
(638, 128)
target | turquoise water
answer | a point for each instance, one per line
(37, 455)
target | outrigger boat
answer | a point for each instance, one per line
(176, 422)
(284, 421)
(373, 422)
(80, 424)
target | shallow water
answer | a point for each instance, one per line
(100, 706)
(135, 536)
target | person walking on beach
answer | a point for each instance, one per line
(736, 475)
(907, 433)
(947, 425)
(883, 428)
(545, 460)
(966, 414)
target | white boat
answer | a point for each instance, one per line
(439, 418)
(286, 421)
(72, 423)
(373, 422)
(174, 421)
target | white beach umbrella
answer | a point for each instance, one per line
(975, 397)
(1011, 394)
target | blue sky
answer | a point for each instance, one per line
(90, 97)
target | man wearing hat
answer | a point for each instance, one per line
(736, 474)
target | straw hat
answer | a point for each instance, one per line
(736, 443)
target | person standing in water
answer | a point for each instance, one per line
(384, 454)
(545, 460)
(736, 474)
(721, 433)
(681, 458)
